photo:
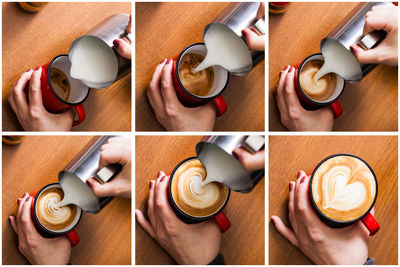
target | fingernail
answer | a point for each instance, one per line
(287, 66)
(150, 184)
(38, 68)
(28, 70)
(169, 60)
(163, 61)
(162, 179)
(290, 187)
(88, 181)
(25, 194)
(272, 220)
(302, 179)
(18, 200)
(235, 154)
(244, 33)
(291, 69)
(28, 198)
(159, 174)
(116, 44)
(298, 174)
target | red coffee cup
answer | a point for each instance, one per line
(221, 78)
(311, 104)
(367, 218)
(219, 216)
(52, 101)
(69, 231)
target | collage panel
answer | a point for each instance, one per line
(92, 223)
(184, 215)
(335, 198)
(66, 66)
(352, 85)
(174, 92)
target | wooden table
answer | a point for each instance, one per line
(162, 31)
(243, 243)
(105, 237)
(289, 154)
(32, 39)
(370, 105)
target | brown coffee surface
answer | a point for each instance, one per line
(60, 83)
(51, 217)
(321, 89)
(198, 83)
(191, 195)
(343, 188)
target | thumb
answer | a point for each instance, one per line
(367, 56)
(102, 190)
(250, 162)
(253, 40)
(123, 47)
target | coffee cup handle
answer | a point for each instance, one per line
(81, 114)
(73, 237)
(221, 105)
(371, 223)
(337, 109)
(222, 221)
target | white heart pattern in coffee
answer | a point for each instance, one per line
(49, 214)
(343, 188)
(192, 195)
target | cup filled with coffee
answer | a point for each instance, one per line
(194, 201)
(315, 94)
(343, 190)
(198, 88)
(59, 90)
(51, 220)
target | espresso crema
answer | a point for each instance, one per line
(198, 83)
(318, 90)
(343, 188)
(51, 216)
(191, 195)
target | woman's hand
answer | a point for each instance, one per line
(169, 111)
(249, 161)
(189, 244)
(33, 116)
(124, 45)
(320, 243)
(35, 248)
(253, 38)
(117, 150)
(385, 18)
(293, 116)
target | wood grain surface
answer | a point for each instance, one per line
(33, 39)
(370, 105)
(163, 30)
(105, 237)
(289, 154)
(243, 243)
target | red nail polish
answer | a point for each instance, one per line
(162, 179)
(169, 61)
(28, 70)
(287, 66)
(235, 154)
(302, 179)
(244, 33)
(290, 187)
(163, 61)
(150, 184)
(37, 68)
(116, 44)
(299, 175)
(291, 69)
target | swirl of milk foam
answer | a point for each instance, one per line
(312, 86)
(49, 213)
(193, 192)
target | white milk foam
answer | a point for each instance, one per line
(224, 48)
(338, 60)
(93, 61)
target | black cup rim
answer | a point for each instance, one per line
(320, 213)
(183, 87)
(305, 95)
(52, 89)
(176, 207)
(48, 231)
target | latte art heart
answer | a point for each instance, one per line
(49, 214)
(343, 188)
(191, 194)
